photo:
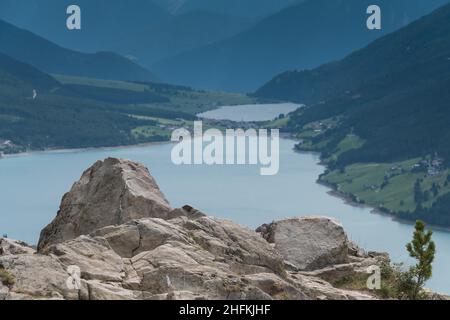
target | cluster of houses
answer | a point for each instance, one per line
(319, 127)
(167, 127)
(5, 145)
(432, 166)
(373, 187)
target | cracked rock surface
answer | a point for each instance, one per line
(117, 227)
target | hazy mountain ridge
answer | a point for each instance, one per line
(51, 58)
(109, 19)
(20, 75)
(299, 37)
(240, 8)
(140, 29)
(180, 33)
(389, 55)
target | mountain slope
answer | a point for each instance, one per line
(156, 41)
(299, 37)
(139, 29)
(39, 111)
(419, 46)
(33, 117)
(15, 74)
(380, 117)
(392, 93)
(103, 21)
(49, 57)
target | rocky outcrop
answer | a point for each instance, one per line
(9, 246)
(308, 243)
(115, 237)
(111, 192)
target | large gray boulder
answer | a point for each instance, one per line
(111, 192)
(118, 231)
(308, 243)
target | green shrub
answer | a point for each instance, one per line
(6, 278)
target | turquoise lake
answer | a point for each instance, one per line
(31, 187)
(253, 112)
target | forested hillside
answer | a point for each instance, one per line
(393, 93)
(385, 104)
(38, 111)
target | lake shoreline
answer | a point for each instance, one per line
(334, 192)
(75, 150)
(296, 187)
(213, 109)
